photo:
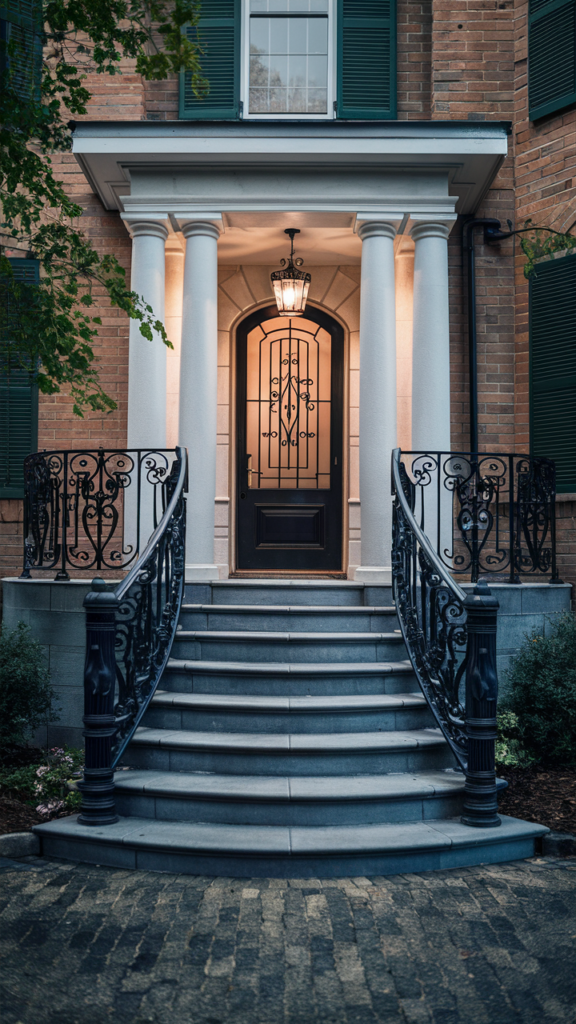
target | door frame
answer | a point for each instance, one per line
(260, 310)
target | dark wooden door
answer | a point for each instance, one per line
(289, 455)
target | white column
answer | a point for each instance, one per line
(147, 359)
(173, 322)
(431, 338)
(377, 399)
(431, 370)
(198, 392)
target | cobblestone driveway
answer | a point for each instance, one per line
(89, 945)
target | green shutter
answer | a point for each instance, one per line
(18, 406)
(21, 46)
(553, 366)
(219, 36)
(366, 59)
(551, 56)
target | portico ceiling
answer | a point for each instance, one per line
(258, 238)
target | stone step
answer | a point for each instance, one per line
(291, 618)
(287, 591)
(280, 714)
(234, 753)
(281, 800)
(236, 645)
(245, 851)
(295, 679)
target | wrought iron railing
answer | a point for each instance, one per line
(487, 513)
(449, 637)
(92, 510)
(129, 635)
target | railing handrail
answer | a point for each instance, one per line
(123, 587)
(446, 634)
(181, 485)
(129, 635)
(421, 537)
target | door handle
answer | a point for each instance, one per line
(249, 468)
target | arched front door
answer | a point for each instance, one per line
(289, 455)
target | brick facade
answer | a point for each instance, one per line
(457, 59)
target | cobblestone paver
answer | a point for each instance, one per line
(88, 945)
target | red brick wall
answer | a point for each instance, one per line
(414, 37)
(118, 98)
(113, 98)
(457, 59)
(472, 79)
(545, 159)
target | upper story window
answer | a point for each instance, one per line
(288, 57)
(307, 59)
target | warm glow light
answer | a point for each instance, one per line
(291, 285)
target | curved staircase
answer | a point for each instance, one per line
(289, 739)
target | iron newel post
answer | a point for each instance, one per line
(97, 787)
(480, 802)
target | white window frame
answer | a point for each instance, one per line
(245, 72)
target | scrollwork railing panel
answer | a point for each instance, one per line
(486, 513)
(129, 635)
(91, 510)
(149, 601)
(431, 612)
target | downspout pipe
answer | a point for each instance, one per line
(492, 233)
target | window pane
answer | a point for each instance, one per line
(297, 70)
(259, 41)
(317, 101)
(259, 99)
(278, 70)
(297, 35)
(293, 6)
(317, 72)
(277, 101)
(289, 59)
(278, 34)
(318, 35)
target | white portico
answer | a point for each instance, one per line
(206, 205)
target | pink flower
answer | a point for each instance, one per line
(52, 805)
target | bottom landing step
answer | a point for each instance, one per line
(242, 851)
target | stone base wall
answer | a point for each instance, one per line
(523, 608)
(55, 614)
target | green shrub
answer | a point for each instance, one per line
(49, 783)
(542, 694)
(26, 696)
(509, 749)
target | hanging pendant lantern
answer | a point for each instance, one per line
(291, 285)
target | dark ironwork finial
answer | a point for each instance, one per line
(291, 232)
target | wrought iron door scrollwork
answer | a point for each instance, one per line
(430, 607)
